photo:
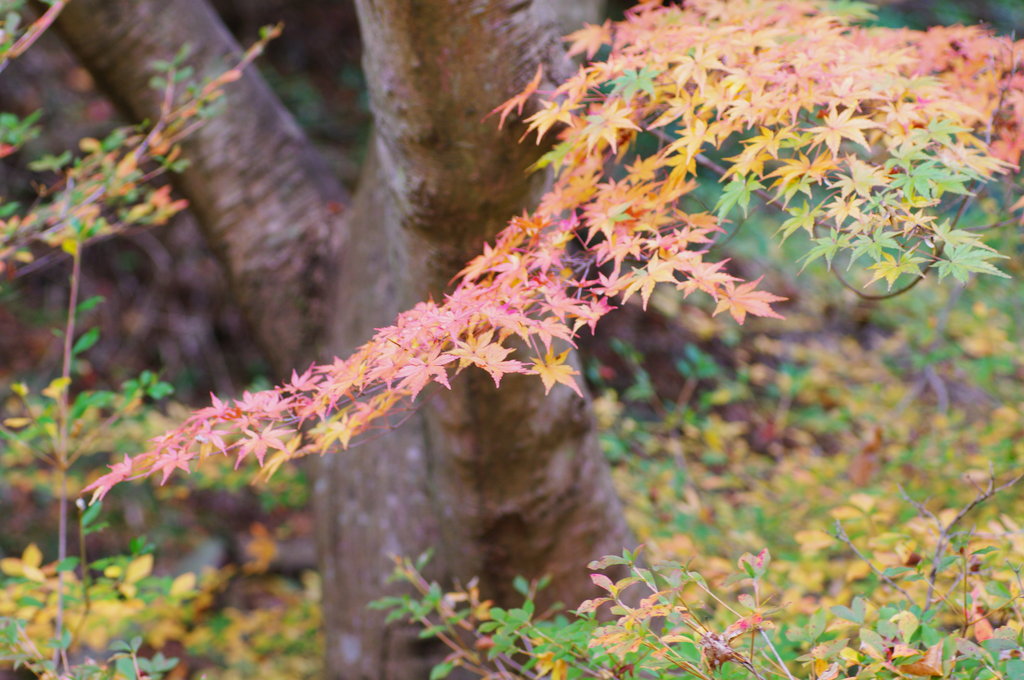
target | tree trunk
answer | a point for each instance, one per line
(264, 198)
(497, 483)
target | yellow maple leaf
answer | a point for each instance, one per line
(553, 369)
(839, 126)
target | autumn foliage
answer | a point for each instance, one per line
(864, 139)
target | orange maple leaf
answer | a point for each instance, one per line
(743, 299)
(589, 39)
(519, 101)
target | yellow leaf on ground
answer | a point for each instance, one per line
(140, 568)
(183, 584)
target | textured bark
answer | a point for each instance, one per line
(265, 199)
(497, 483)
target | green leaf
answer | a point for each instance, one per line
(90, 514)
(943, 130)
(893, 572)
(87, 305)
(554, 157)
(736, 192)
(67, 564)
(872, 639)
(64, 640)
(873, 245)
(159, 390)
(801, 218)
(50, 163)
(855, 612)
(87, 340)
(961, 260)
(125, 667)
(633, 81)
(891, 268)
(1015, 669)
(998, 590)
(827, 247)
(816, 626)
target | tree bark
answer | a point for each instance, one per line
(498, 483)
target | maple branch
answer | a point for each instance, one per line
(992, 225)
(773, 202)
(937, 253)
(961, 209)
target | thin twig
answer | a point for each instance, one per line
(945, 532)
(36, 29)
(63, 439)
(841, 534)
(777, 656)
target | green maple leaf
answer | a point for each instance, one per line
(874, 246)
(891, 268)
(633, 81)
(827, 247)
(801, 218)
(961, 260)
(736, 192)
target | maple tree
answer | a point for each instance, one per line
(875, 133)
(870, 142)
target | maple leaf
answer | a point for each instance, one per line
(553, 369)
(418, 371)
(307, 382)
(695, 67)
(550, 113)
(682, 151)
(644, 280)
(170, 461)
(118, 473)
(589, 39)
(491, 356)
(797, 174)
(519, 101)
(737, 192)
(549, 274)
(862, 178)
(607, 123)
(842, 125)
(705, 276)
(801, 218)
(756, 151)
(219, 409)
(743, 299)
(962, 259)
(258, 443)
(890, 268)
(635, 80)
